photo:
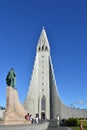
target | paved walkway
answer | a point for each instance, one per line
(30, 128)
(43, 126)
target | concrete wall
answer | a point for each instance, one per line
(57, 106)
(64, 111)
(67, 112)
(39, 86)
(1, 113)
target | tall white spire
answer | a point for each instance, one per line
(43, 97)
(43, 43)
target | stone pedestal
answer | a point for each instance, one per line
(15, 113)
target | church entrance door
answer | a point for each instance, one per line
(42, 115)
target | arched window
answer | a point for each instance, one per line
(46, 48)
(42, 47)
(43, 103)
(39, 48)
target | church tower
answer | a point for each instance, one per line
(42, 97)
(39, 97)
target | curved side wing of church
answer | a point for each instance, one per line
(42, 96)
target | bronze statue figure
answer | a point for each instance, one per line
(11, 78)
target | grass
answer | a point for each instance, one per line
(78, 128)
(84, 125)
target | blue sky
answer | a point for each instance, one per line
(65, 22)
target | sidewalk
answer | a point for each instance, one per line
(42, 125)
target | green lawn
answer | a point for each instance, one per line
(78, 128)
(84, 125)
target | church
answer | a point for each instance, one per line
(42, 96)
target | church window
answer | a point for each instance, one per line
(43, 103)
(42, 56)
(39, 48)
(42, 47)
(42, 83)
(46, 48)
(42, 89)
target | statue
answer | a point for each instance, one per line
(11, 78)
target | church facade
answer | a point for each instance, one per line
(43, 97)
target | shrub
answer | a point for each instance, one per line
(72, 122)
(84, 123)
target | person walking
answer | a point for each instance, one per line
(36, 119)
(58, 120)
(31, 119)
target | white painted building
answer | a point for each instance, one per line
(42, 96)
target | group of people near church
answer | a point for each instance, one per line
(29, 118)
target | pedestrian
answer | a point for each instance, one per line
(58, 120)
(31, 119)
(27, 117)
(36, 119)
